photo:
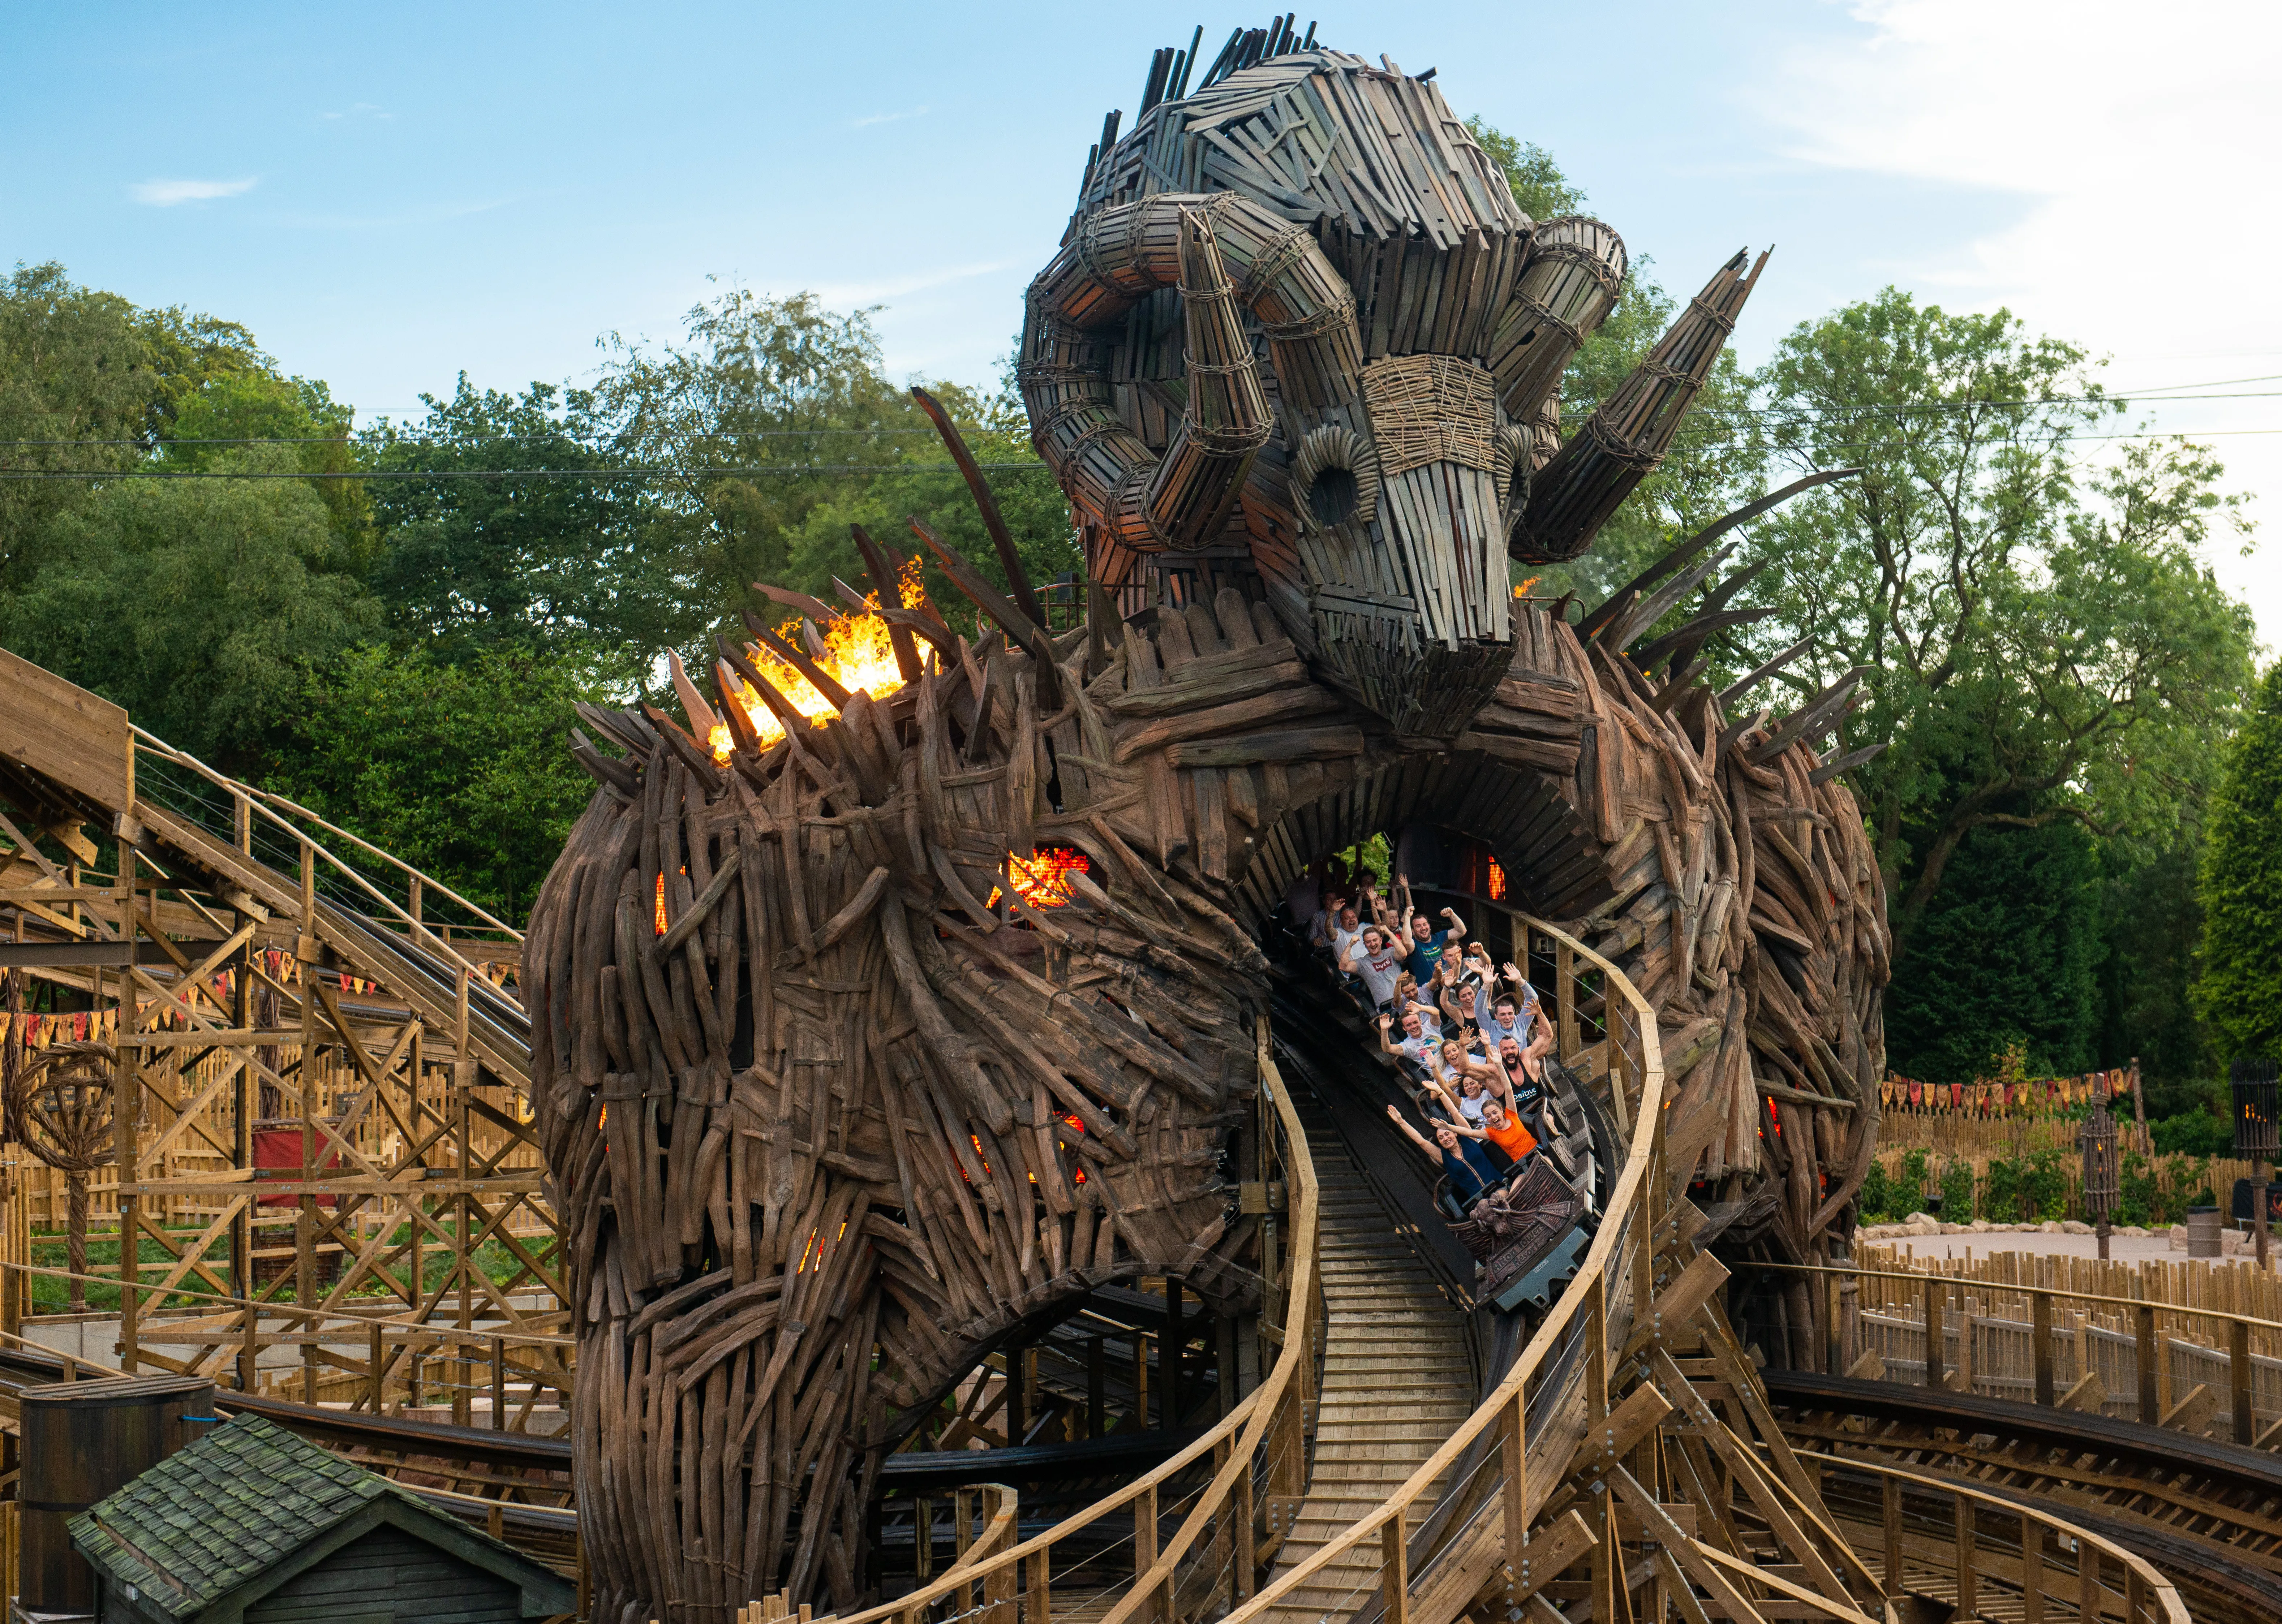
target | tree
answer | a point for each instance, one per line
(457, 767)
(2007, 954)
(560, 552)
(195, 603)
(779, 429)
(2240, 990)
(2040, 646)
(1716, 462)
(72, 371)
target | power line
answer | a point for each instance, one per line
(783, 470)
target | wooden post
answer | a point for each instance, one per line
(923, 1539)
(1145, 1535)
(1891, 1516)
(1834, 1358)
(463, 1081)
(499, 1384)
(2032, 1570)
(2140, 1111)
(1041, 1595)
(2040, 1329)
(1564, 998)
(375, 1364)
(127, 1109)
(2135, 1594)
(2087, 1582)
(1097, 1381)
(247, 1096)
(1247, 1550)
(2238, 1375)
(1968, 1576)
(1394, 1570)
(1141, 1380)
(2148, 1357)
(1168, 1359)
(1935, 1341)
(1515, 1444)
(305, 1227)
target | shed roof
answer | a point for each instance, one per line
(242, 1502)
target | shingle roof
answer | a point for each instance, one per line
(217, 1513)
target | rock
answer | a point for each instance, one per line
(1922, 1221)
(2048, 1228)
(2074, 1226)
(1954, 1229)
(2178, 1237)
(2134, 1231)
(1981, 1226)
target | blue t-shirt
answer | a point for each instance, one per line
(1425, 956)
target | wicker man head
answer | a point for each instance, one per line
(1298, 327)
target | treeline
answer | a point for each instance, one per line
(392, 620)
(390, 623)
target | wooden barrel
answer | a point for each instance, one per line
(82, 1441)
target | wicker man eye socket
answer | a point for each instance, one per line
(1334, 479)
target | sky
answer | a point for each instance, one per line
(389, 197)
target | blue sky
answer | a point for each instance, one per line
(389, 196)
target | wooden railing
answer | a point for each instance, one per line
(1962, 1542)
(1265, 1431)
(2087, 1391)
(1601, 1301)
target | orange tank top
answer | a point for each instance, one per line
(1515, 1140)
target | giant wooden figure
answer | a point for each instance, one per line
(881, 1006)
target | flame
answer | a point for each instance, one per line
(721, 742)
(1043, 880)
(857, 654)
(1497, 881)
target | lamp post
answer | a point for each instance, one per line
(2254, 1082)
(2101, 1186)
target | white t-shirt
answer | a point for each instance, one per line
(1342, 940)
(1471, 1107)
(1423, 1049)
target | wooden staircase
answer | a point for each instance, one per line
(1396, 1381)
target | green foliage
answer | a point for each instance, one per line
(1957, 1192)
(1876, 1200)
(197, 604)
(2033, 1189)
(2151, 925)
(459, 768)
(2006, 955)
(577, 567)
(1909, 1188)
(2240, 988)
(761, 390)
(2038, 647)
(2201, 1132)
(1717, 461)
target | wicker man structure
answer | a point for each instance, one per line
(863, 1037)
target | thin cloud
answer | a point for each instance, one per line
(841, 293)
(166, 194)
(888, 118)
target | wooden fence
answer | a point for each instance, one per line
(1988, 1330)
(2179, 1181)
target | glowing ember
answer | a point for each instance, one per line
(857, 654)
(1043, 880)
(1497, 881)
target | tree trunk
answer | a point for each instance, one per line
(75, 1238)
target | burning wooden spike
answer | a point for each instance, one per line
(815, 608)
(885, 582)
(741, 730)
(813, 638)
(835, 695)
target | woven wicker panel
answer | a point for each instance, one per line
(1430, 409)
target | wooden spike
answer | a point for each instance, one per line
(1846, 763)
(1743, 685)
(835, 695)
(815, 608)
(1018, 580)
(1704, 538)
(884, 582)
(1023, 630)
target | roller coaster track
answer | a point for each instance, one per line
(1582, 1482)
(2207, 1513)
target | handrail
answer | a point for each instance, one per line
(2005, 1288)
(1252, 1414)
(2165, 1595)
(1631, 1190)
(259, 801)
